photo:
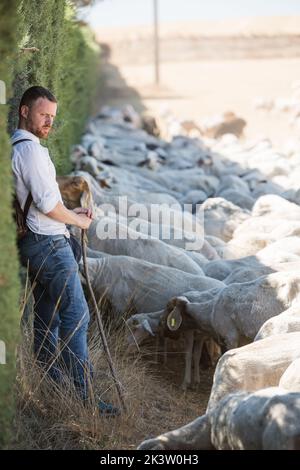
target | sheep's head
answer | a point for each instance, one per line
(75, 191)
(139, 329)
(106, 179)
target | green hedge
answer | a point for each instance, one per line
(9, 285)
(67, 63)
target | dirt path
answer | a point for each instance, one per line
(197, 89)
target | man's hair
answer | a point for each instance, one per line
(33, 93)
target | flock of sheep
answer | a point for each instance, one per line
(239, 290)
(290, 105)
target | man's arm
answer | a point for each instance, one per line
(62, 214)
(44, 188)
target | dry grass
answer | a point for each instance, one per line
(49, 417)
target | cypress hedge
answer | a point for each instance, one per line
(41, 43)
(9, 283)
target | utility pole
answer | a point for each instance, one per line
(156, 41)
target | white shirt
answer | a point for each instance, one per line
(34, 171)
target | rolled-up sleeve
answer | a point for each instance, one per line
(39, 179)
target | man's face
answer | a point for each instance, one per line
(39, 117)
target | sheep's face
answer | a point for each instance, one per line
(72, 189)
(139, 330)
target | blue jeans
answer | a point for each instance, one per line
(61, 311)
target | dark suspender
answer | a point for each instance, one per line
(29, 197)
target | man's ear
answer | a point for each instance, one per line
(24, 111)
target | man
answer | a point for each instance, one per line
(61, 310)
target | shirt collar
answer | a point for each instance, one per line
(23, 134)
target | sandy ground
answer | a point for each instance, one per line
(197, 89)
(251, 26)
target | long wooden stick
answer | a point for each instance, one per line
(100, 325)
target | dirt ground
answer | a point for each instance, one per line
(196, 89)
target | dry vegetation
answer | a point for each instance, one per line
(50, 417)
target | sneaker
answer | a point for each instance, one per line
(106, 409)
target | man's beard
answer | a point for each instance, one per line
(41, 132)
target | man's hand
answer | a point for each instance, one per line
(83, 221)
(80, 217)
(82, 210)
(85, 215)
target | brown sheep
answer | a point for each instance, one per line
(72, 189)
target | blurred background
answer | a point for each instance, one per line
(214, 57)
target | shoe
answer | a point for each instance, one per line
(106, 409)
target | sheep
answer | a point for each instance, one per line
(245, 396)
(142, 326)
(276, 205)
(233, 182)
(216, 243)
(73, 189)
(253, 366)
(287, 244)
(267, 419)
(288, 321)
(237, 198)
(239, 310)
(134, 285)
(221, 269)
(264, 420)
(245, 245)
(111, 237)
(89, 164)
(149, 124)
(266, 104)
(196, 196)
(227, 123)
(264, 224)
(221, 217)
(290, 379)
(168, 234)
(247, 274)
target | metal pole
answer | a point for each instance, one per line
(156, 41)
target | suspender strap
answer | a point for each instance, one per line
(27, 206)
(29, 197)
(21, 140)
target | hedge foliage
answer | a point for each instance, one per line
(65, 61)
(9, 284)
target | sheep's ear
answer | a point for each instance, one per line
(178, 300)
(86, 199)
(147, 327)
(104, 183)
(181, 301)
(174, 319)
(76, 181)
